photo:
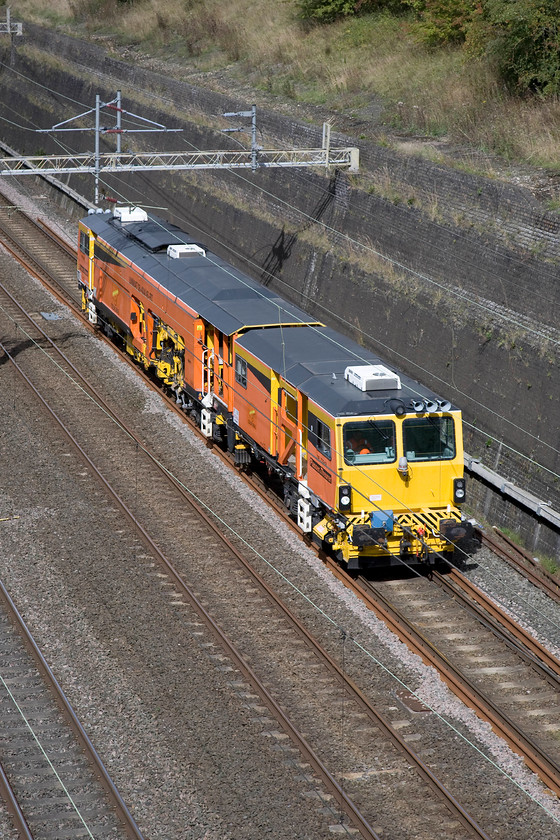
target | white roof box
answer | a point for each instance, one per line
(372, 378)
(179, 252)
(130, 214)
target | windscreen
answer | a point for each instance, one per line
(369, 442)
(429, 438)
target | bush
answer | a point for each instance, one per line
(326, 11)
(523, 36)
(442, 21)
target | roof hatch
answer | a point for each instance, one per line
(372, 378)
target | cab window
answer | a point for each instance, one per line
(429, 438)
(369, 442)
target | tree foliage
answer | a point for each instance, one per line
(326, 11)
(442, 21)
(521, 37)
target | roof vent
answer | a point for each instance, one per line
(179, 252)
(130, 214)
(372, 378)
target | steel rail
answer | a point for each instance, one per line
(478, 601)
(171, 404)
(46, 229)
(9, 797)
(440, 789)
(520, 560)
(535, 758)
(22, 255)
(123, 813)
(353, 689)
(525, 566)
(374, 715)
(330, 782)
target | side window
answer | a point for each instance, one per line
(84, 242)
(319, 435)
(241, 371)
(290, 404)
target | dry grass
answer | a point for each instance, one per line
(347, 66)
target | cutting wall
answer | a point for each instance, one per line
(449, 276)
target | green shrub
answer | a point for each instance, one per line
(520, 37)
(442, 21)
(523, 37)
(326, 11)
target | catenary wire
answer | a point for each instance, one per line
(452, 728)
(459, 733)
(125, 199)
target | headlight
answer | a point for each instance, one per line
(344, 497)
(459, 490)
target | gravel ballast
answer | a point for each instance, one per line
(56, 556)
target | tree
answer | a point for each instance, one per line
(523, 37)
(442, 21)
(326, 11)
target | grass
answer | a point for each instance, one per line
(549, 565)
(350, 66)
(514, 536)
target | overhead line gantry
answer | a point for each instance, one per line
(97, 163)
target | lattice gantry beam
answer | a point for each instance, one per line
(126, 162)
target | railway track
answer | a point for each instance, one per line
(43, 253)
(48, 256)
(161, 522)
(52, 780)
(521, 561)
(488, 660)
(117, 448)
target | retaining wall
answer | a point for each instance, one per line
(467, 302)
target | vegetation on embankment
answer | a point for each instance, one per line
(374, 66)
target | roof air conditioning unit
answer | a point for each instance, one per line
(179, 252)
(372, 378)
(130, 214)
